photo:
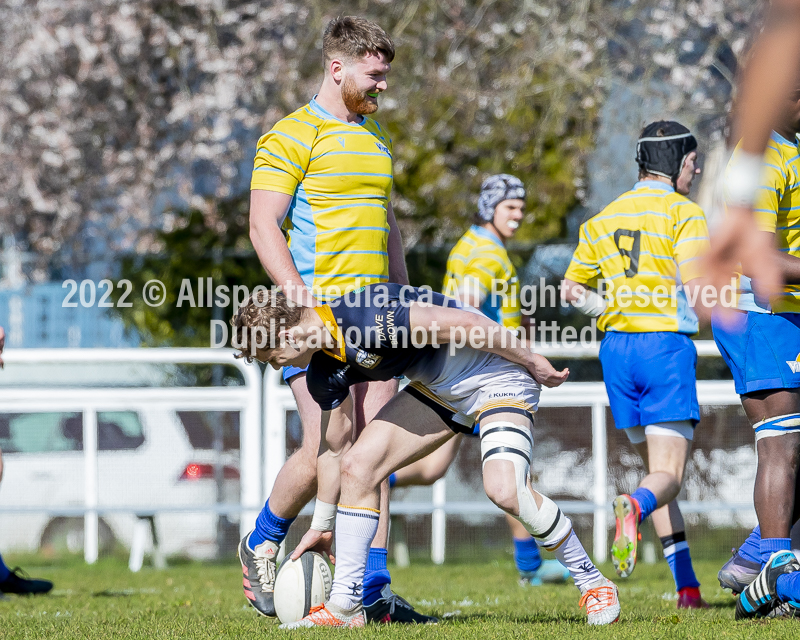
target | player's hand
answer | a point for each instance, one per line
(739, 244)
(544, 373)
(319, 541)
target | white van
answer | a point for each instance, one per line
(149, 458)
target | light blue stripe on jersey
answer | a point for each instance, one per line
(348, 206)
(376, 196)
(747, 298)
(384, 229)
(356, 275)
(292, 138)
(336, 253)
(302, 236)
(281, 158)
(347, 153)
(687, 319)
(355, 173)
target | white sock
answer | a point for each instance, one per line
(355, 529)
(573, 556)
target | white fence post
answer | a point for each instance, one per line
(250, 468)
(91, 485)
(600, 460)
(438, 521)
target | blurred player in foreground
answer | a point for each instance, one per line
(771, 75)
(323, 177)
(645, 245)
(386, 330)
(481, 274)
(761, 346)
(15, 580)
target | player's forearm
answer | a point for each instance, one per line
(469, 329)
(397, 259)
(770, 76)
(571, 291)
(790, 266)
(273, 253)
(585, 300)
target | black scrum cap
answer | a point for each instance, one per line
(662, 148)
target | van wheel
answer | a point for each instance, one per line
(65, 535)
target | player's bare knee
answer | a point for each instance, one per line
(506, 450)
(357, 470)
(502, 492)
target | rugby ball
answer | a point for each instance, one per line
(300, 585)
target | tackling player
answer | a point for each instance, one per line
(645, 245)
(321, 219)
(481, 274)
(386, 330)
(761, 346)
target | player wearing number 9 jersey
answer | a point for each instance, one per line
(645, 246)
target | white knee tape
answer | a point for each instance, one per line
(550, 526)
(512, 442)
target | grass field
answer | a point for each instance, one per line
(480, 602)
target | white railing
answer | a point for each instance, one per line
(264, 401)
(88, 401)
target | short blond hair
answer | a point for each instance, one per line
(266, 313)
(352, 37)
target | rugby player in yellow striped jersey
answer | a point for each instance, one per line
(648, 243)
(321, 222)
(479, 271)
(761, 345)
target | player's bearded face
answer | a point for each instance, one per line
(356, 99)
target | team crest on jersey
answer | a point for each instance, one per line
(367, 360)
(340, 140)
(383, 148)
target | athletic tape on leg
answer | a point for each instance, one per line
(777, 426)
(514, 443)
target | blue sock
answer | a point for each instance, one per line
(269, 527)
(676, 551)
(376, 575)
(526, 555)
(789, 587)
(771, 545)
(751, 548)
(392, 480)
(4, 572)
(647, 502)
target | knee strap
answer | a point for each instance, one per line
(514, 443)
(777, 426)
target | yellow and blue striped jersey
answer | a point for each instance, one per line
(479, 262)
(340, 175)
(777, 210)
(644, 245)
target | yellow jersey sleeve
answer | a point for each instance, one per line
(691, 239)
(283, 156)
(771, 191)
(584, 267)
